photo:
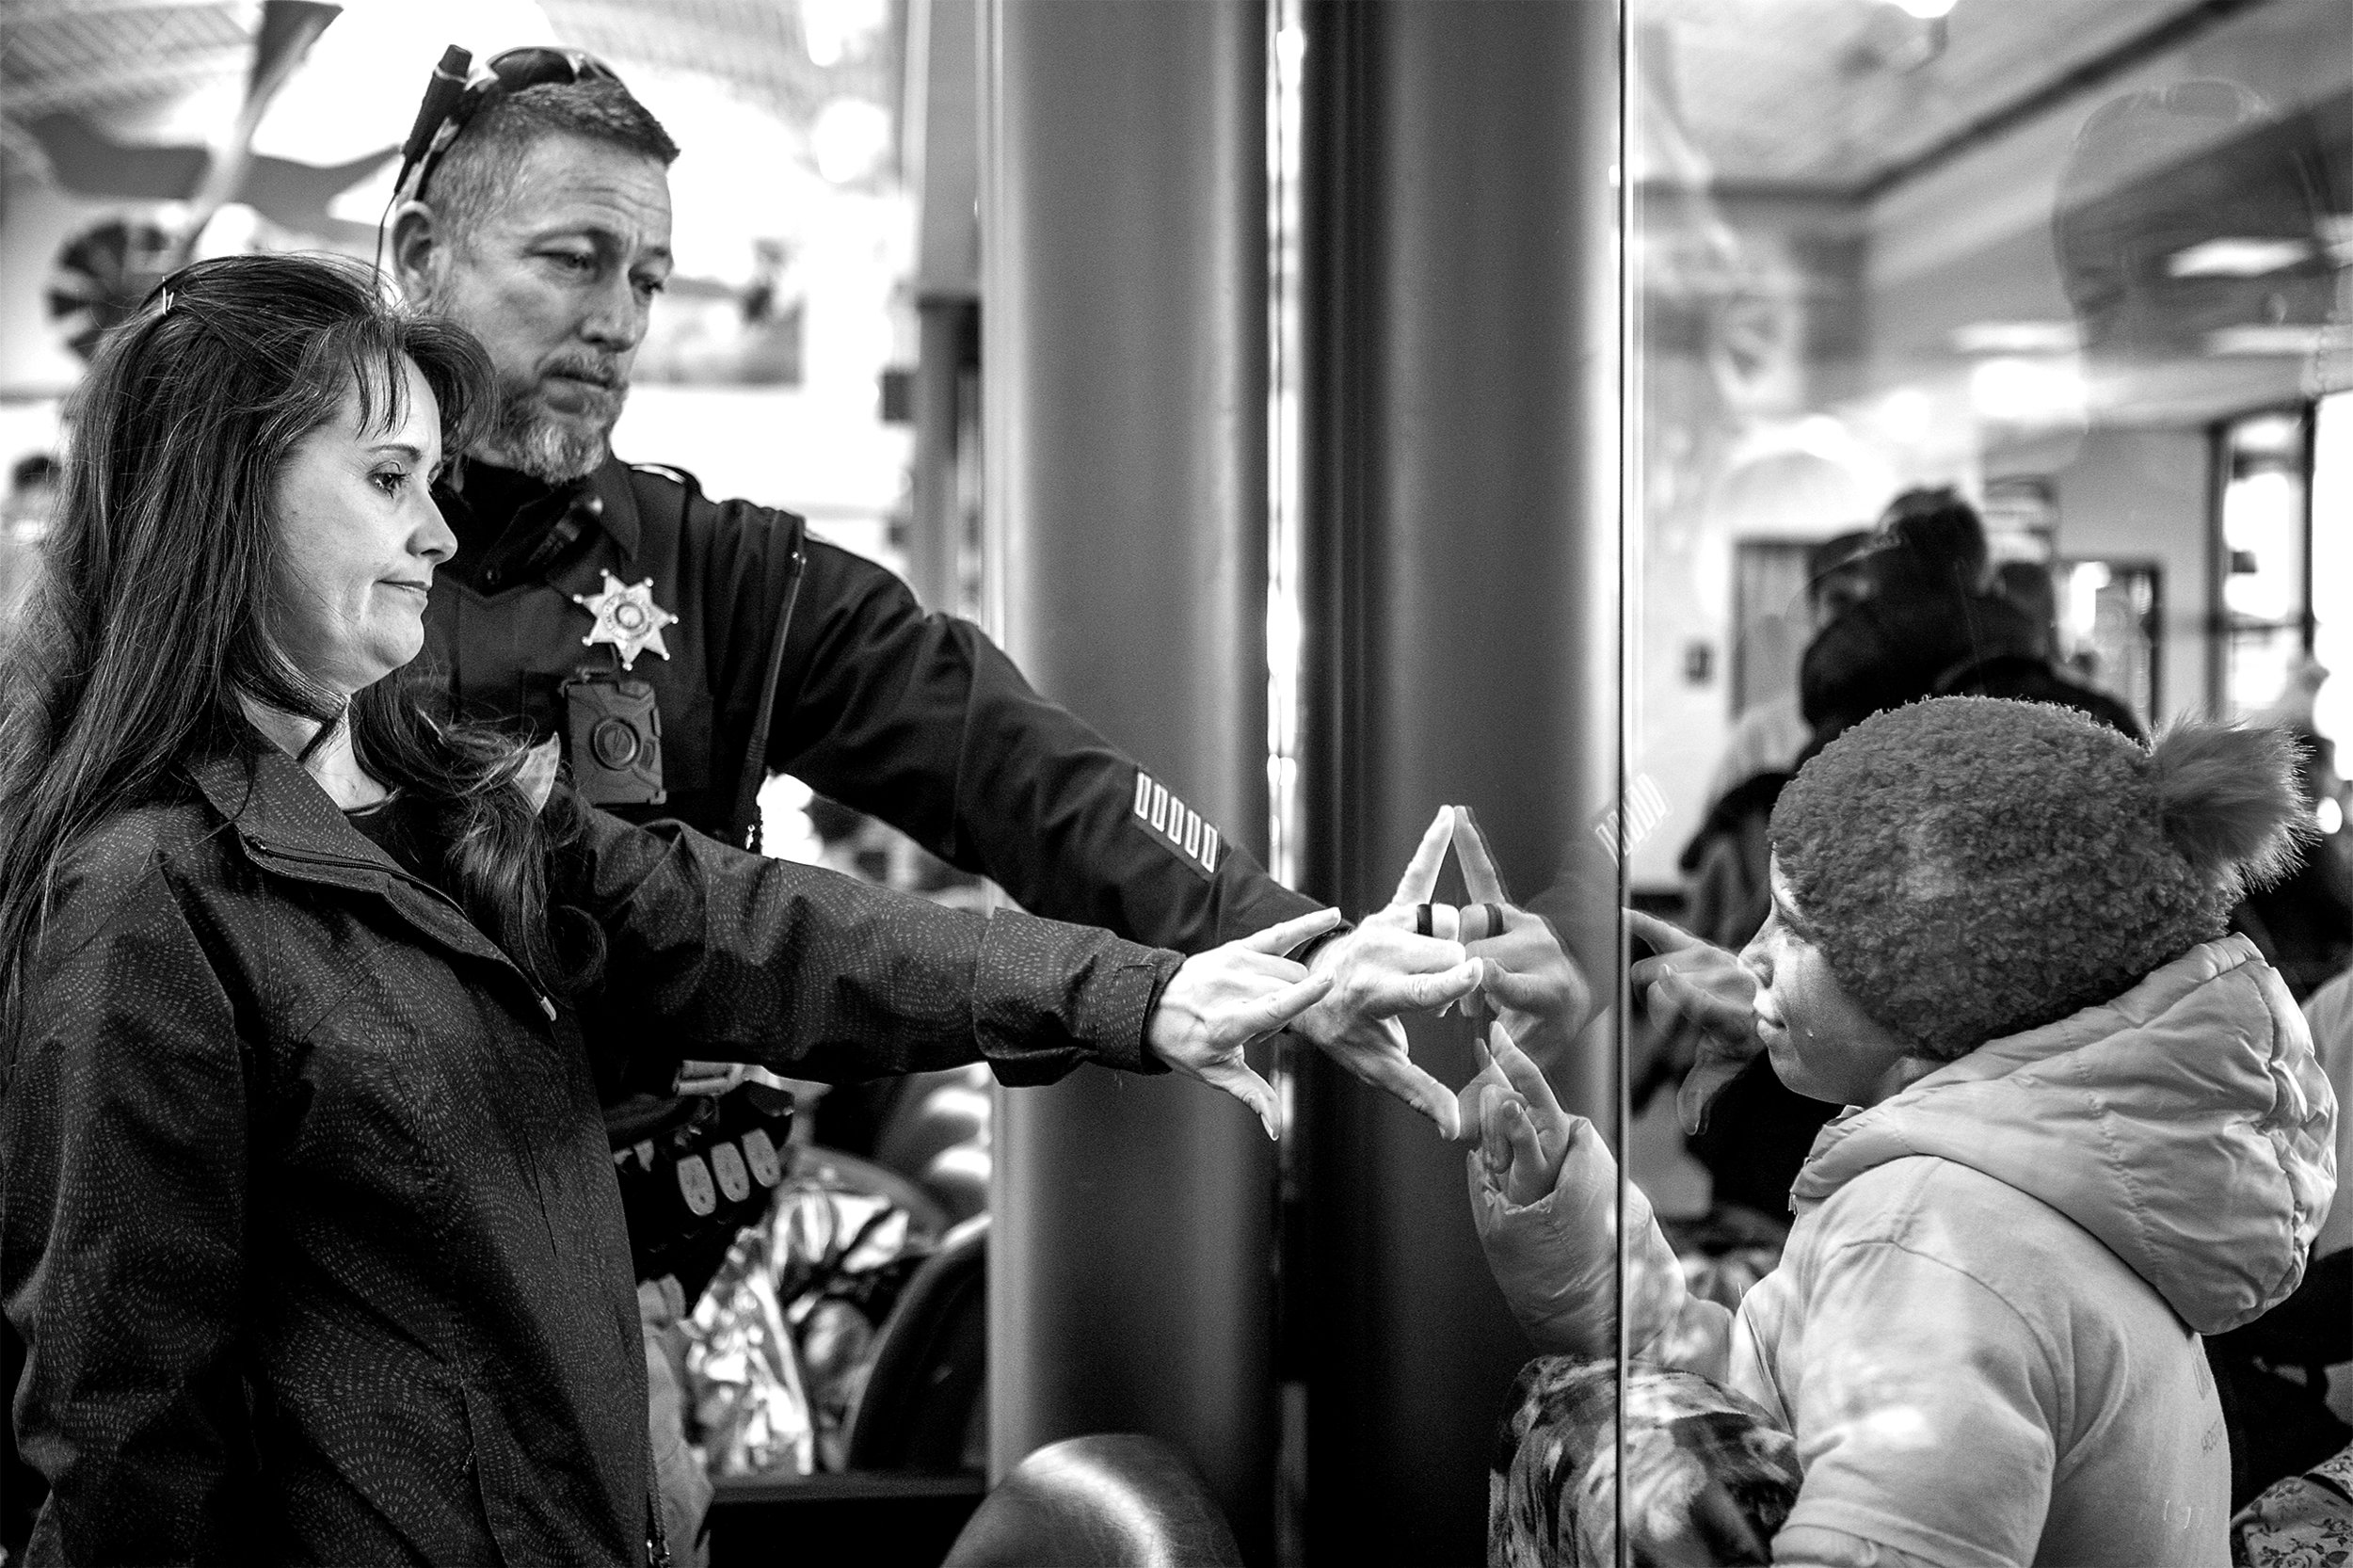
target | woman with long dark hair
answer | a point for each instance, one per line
(308, 1221)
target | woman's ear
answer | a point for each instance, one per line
(2229, 798)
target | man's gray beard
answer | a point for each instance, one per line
(524, 438)
(521, 437)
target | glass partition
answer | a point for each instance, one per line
(2074, 271)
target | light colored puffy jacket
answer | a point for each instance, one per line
(1983, 1331)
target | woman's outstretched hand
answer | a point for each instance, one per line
(1702, 982)
(1384, 968)
(1523, 1133)
(1220, 1000)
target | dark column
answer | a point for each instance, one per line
(1124, 398)
(1462, 463)
(940, 138)
(949, 333)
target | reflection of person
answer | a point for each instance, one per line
(544, 227)
(24, 519)
(2088, 1128)
(1767, 737)
(311, 1229)
(1935, 627)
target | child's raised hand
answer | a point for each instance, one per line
(1523, 1133)
(1708, 985)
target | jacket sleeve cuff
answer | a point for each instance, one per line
(1049, 996)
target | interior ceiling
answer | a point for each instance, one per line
(1824, 94)
(1840, 95)
(103, 56)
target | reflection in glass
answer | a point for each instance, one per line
(2086, 266)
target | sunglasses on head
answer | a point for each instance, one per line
(457, 92)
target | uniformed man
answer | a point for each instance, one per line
(681, 647)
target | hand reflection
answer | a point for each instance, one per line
(1384, 968)
(1706, 985)
(1527, 981)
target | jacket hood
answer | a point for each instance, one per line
(2184, 1123)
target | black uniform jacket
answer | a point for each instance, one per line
(915, 718)
(309, 1218)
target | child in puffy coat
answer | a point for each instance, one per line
(2085, 1127)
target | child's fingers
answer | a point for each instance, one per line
(1528, 1153)
(1525, 1077)
(1494, 1149)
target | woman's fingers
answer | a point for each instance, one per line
(1393, 1072)
(1270, 1013)
(1421, 872)
(1234, 1077)
(1424, 991)
(1283, 935)
(1529, 1176)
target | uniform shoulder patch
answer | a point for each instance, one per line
(1180, 829)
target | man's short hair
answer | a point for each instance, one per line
(1931, 539)
(477, 174)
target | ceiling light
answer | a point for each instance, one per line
(2015, 337)
(2237, 256)
(2285, 342)
(2030, 392)
(1926, 10)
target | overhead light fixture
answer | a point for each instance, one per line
(2237, 256)
(1926, 10)
(2016, 337)
(2037, 393)
(2289, 341)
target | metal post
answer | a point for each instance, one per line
(1463, 632)
(1123, 288)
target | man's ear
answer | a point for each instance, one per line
(416, 235)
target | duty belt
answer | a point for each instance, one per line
(695, 1171)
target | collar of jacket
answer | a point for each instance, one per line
(609, 483)
(289, 826)
(619, 518)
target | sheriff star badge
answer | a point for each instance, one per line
(627, 617)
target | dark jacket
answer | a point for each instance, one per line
(309, 1218)
(913, 717)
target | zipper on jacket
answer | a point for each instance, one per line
(311, 857)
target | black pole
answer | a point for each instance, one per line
(1125, 224)
(1463, 627)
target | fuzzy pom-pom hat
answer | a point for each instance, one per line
(1972, 867)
